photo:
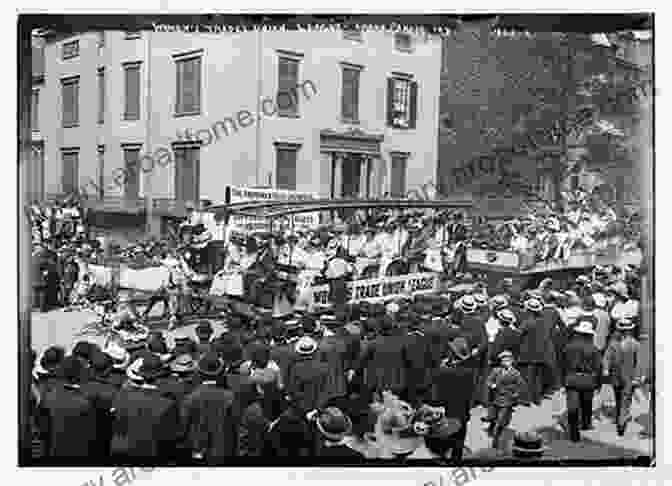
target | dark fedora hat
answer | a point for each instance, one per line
(152, 367)
(211, 364)
(333, 424)
(50, 360)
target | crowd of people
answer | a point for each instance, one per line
(363, 381)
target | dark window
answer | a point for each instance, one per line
(403, 41)
(70, 174)
(38, 62)
(398, 176)
(70, 95)
(71, 49)
(35, 110)
(402, 95)
(101, 95)
(350, 97)
(288, 82)
(188, 98)
(285, 167)
(352, 32)
(187, 173)
(101, 171)
(131, 172)
(132, 84)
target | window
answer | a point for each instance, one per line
(101, 95)
(402, 94)
(101, 39)
(70, 49)
(187, 173)
(188, 96)
(352, 32)
(131, 171)
(34, 110)
(285, 166)
(288, 81)
(70, 173)
(101, 171)
(398, 175)
(132, 34)
(70, 101)
(38, 63)
(132, 84)
(403, 42)
(350, 94)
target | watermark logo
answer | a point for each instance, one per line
(285, 104)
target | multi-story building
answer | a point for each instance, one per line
(179, 116)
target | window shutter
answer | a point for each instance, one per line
(390, 98)
(101, 96)
(190, 85)
(131, 160)
(179, 168)
(413, 105)
(285, 168)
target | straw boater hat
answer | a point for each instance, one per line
(585, 327)
(506, 316)
(481, 300)
(333, 424)
(120, 357)
(534, 305)
(625, 324)
(499, 302)
(183, 364)
(505, 354)
(306, 346)
(467, 304)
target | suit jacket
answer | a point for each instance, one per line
(208, 417)
(384, 362)
(145, 424)
(101, 391)
(454, 387)
(508, 385)
(507, 339)
(621, 361)
(333, 351)
(68, 422)
(581, 356)
(308, 381)
(535, 341)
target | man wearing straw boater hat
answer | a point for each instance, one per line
(621, 361)
(582, 370)
(145, 423)
(307, 375)
(536, 350)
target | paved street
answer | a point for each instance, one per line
(61, 328)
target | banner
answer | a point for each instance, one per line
(381, 289)
(244, 223)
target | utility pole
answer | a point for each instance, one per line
(25, 236)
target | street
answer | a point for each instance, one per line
(61, 328)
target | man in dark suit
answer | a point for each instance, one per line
(536, 350)
(145, 423)
(207, 415)
(582, 366)
(333, 426)
(67, 418)
(454, 387)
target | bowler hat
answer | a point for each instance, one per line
(210, 364)
(333, 424)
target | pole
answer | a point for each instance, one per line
(149, 200)
(24, 230)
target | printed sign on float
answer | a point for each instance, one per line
(245, 223)
(380, 289)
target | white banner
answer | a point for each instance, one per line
(244, 223)
(381, 289)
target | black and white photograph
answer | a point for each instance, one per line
(299, 240)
